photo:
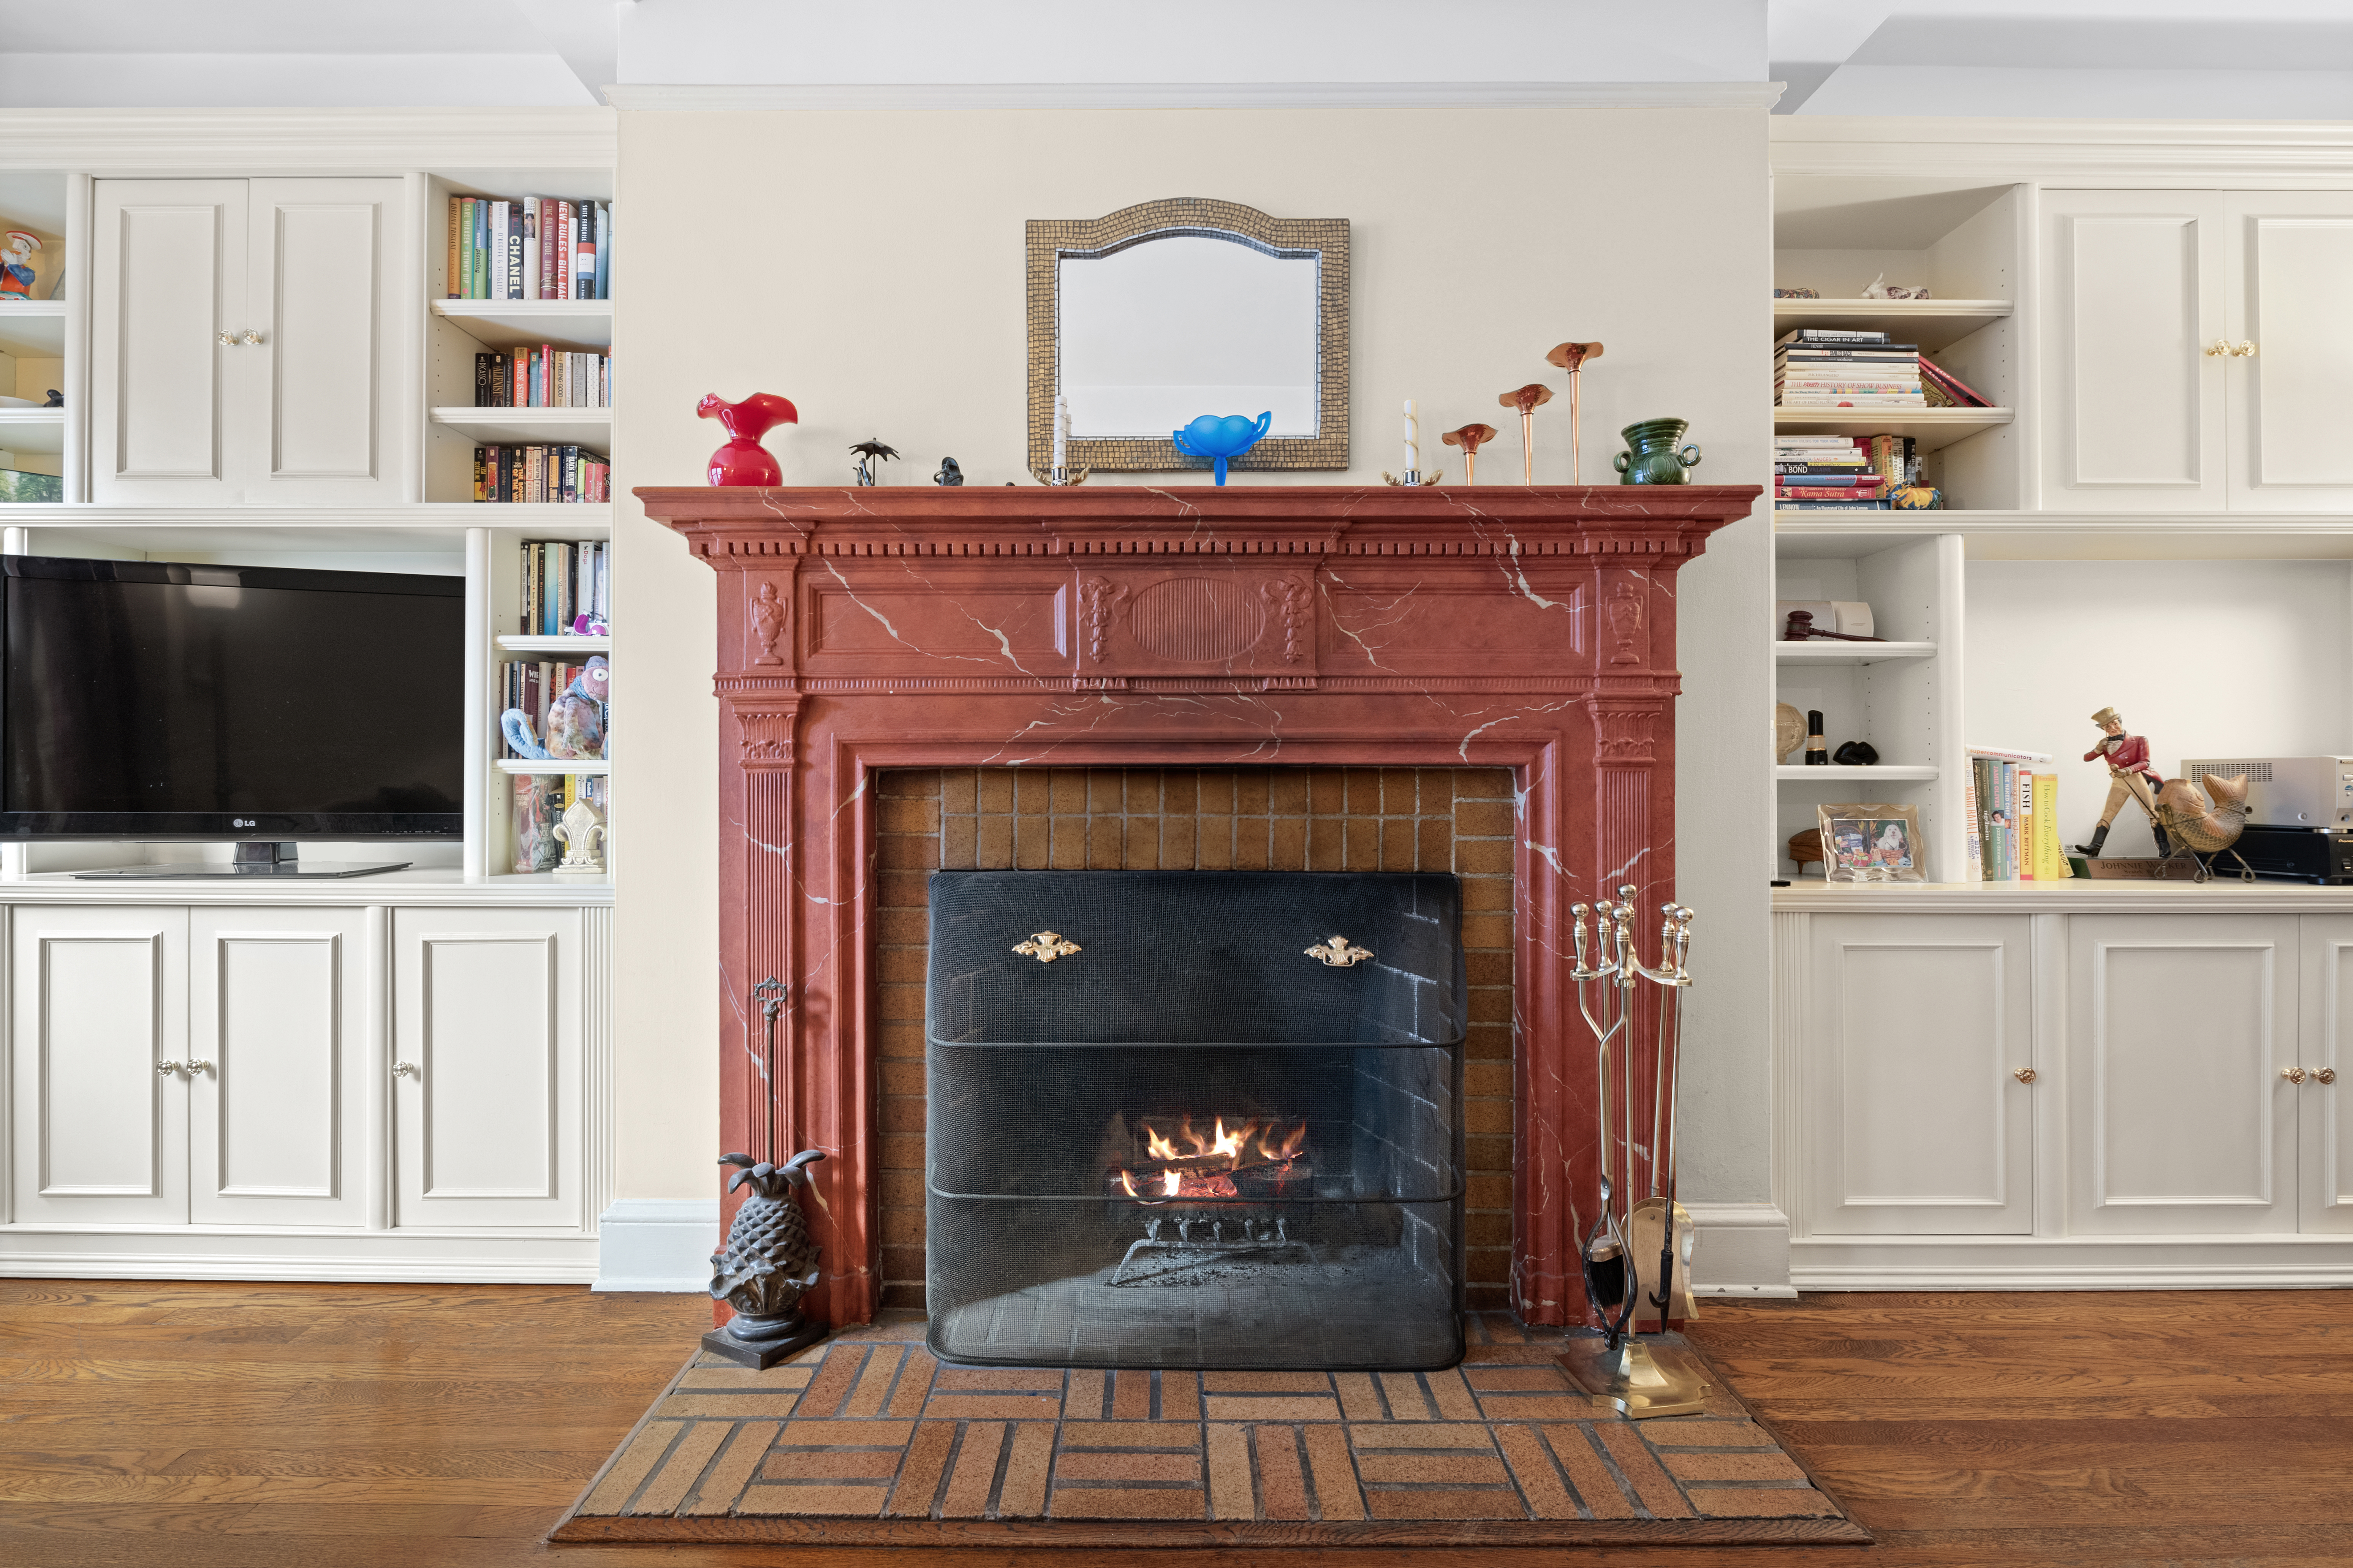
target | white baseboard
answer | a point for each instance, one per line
(1743, 1251)
(656, 1243)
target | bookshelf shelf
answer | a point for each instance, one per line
(1889, 771)
(2076, 536)
(32, 429)
(1931, 428)
(1932, 323)
(33, 329)
(582, 645)
(1850, 652)
(568, 767)
(574, 324)
(532, 426)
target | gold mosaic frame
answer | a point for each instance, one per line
(1326, 238)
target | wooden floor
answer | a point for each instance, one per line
(255, 1425)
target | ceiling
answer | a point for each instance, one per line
(2161, 59)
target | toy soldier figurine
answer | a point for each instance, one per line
(2128, 776)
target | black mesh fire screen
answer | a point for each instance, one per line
(1165, 1134)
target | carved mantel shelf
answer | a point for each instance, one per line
(1108, 626)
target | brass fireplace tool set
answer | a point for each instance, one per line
(1643, 1375)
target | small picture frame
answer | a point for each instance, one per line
(1876, 842)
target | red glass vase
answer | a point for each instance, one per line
(742, 460)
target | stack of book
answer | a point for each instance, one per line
(537, 248)
(536, 474)
(567, 590)
(542, 377)
(1826, 473)
(1834, 367)
(2013, 817)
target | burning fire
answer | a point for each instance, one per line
(1194, 1164)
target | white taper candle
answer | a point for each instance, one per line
(1412, 442)
(1062, 429)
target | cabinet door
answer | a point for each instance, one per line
(2325, 1111)
(167, 278)
(276, 1118)
(2179, 1120)
(2291, 297)
(100, 1136)
(1914, 1121)
(320, 420)
(2135, 291)
(486, 1012)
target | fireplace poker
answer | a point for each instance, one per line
(1603, 1257)
(1674, 949)
(770, 995)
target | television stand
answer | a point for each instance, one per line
(252, 858)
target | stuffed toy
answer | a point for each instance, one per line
(575, 720)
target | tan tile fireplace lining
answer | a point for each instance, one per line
(1208, 819)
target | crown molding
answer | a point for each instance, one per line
(2240, 153)
(900, 98)
(305, 141)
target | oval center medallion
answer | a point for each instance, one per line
(1196, 619)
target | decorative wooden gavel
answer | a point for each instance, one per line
(1801, 627)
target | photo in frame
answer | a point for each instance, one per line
(1872, 843)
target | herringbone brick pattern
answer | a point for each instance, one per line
(868, 1426)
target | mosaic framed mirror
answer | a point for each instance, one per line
(1150, 316)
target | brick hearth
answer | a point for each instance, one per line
(1188, 819)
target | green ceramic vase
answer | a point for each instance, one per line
(1651, 456)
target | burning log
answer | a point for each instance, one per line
(1246, 1163)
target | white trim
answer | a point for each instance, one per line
(656, 1243)
(420, 1270)
(2144, 154)
(1742, 1250)
(262, 142)
(2224, 895)
(896, 98)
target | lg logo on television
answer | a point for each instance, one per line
(240, 821)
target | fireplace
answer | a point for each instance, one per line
(1522, 632)
(1196, 1119)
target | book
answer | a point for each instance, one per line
(462, 284)
(1830, 335)
(511, 257)
(2022, 782)
(1945, 390)
(1834, 506)
(1811, 492)
(479, 288)
(583, 255)
(454, 277)
(604, 252)
(529, 284)
(2000, 754)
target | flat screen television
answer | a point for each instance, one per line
(143, 700)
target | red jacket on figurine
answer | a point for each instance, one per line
(2126, 753)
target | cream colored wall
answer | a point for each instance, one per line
(870, 266)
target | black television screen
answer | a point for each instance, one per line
(142, 700)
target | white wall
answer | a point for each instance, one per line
(2205, 659)
(870, 266)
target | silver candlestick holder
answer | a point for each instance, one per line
(1642, 1374)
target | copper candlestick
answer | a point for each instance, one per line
(1571, 357)
(1527, 400)
(1471, 437)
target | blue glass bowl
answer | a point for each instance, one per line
(1221, 439)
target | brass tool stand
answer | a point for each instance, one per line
(1643, 1375)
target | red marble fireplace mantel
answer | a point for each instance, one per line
(1109, 625)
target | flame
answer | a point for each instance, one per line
(1127, 1183)
(1288, 1148)
(1229, 1145)
(1171, 1182)
(1159, 1147)
(1208, 1163)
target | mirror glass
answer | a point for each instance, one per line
(1174, 326)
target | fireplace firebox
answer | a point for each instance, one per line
(1195, 1118)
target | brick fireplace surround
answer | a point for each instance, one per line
(1274, 675)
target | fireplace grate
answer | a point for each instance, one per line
(1186, 1142)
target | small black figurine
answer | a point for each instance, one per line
(949, 473)
(57, 399)
(867, 451)
(1856, 754)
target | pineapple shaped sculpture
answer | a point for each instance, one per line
(768, 1265)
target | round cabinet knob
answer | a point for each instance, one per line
(2243, 349)
(2324, 1075)
(2217, 349)
(228, 340)
(2293, 1075)
(165, 1069)
(196, 1066)
(405, 1070)
(253, 337)
(2023, 1075)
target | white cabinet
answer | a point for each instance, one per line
(2197, 350)
(1916, 1122)
(487, 1107)
(2178, 1028)
(98, 1122)
(2324, 1096)
(276, 1117)
(244, 342)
